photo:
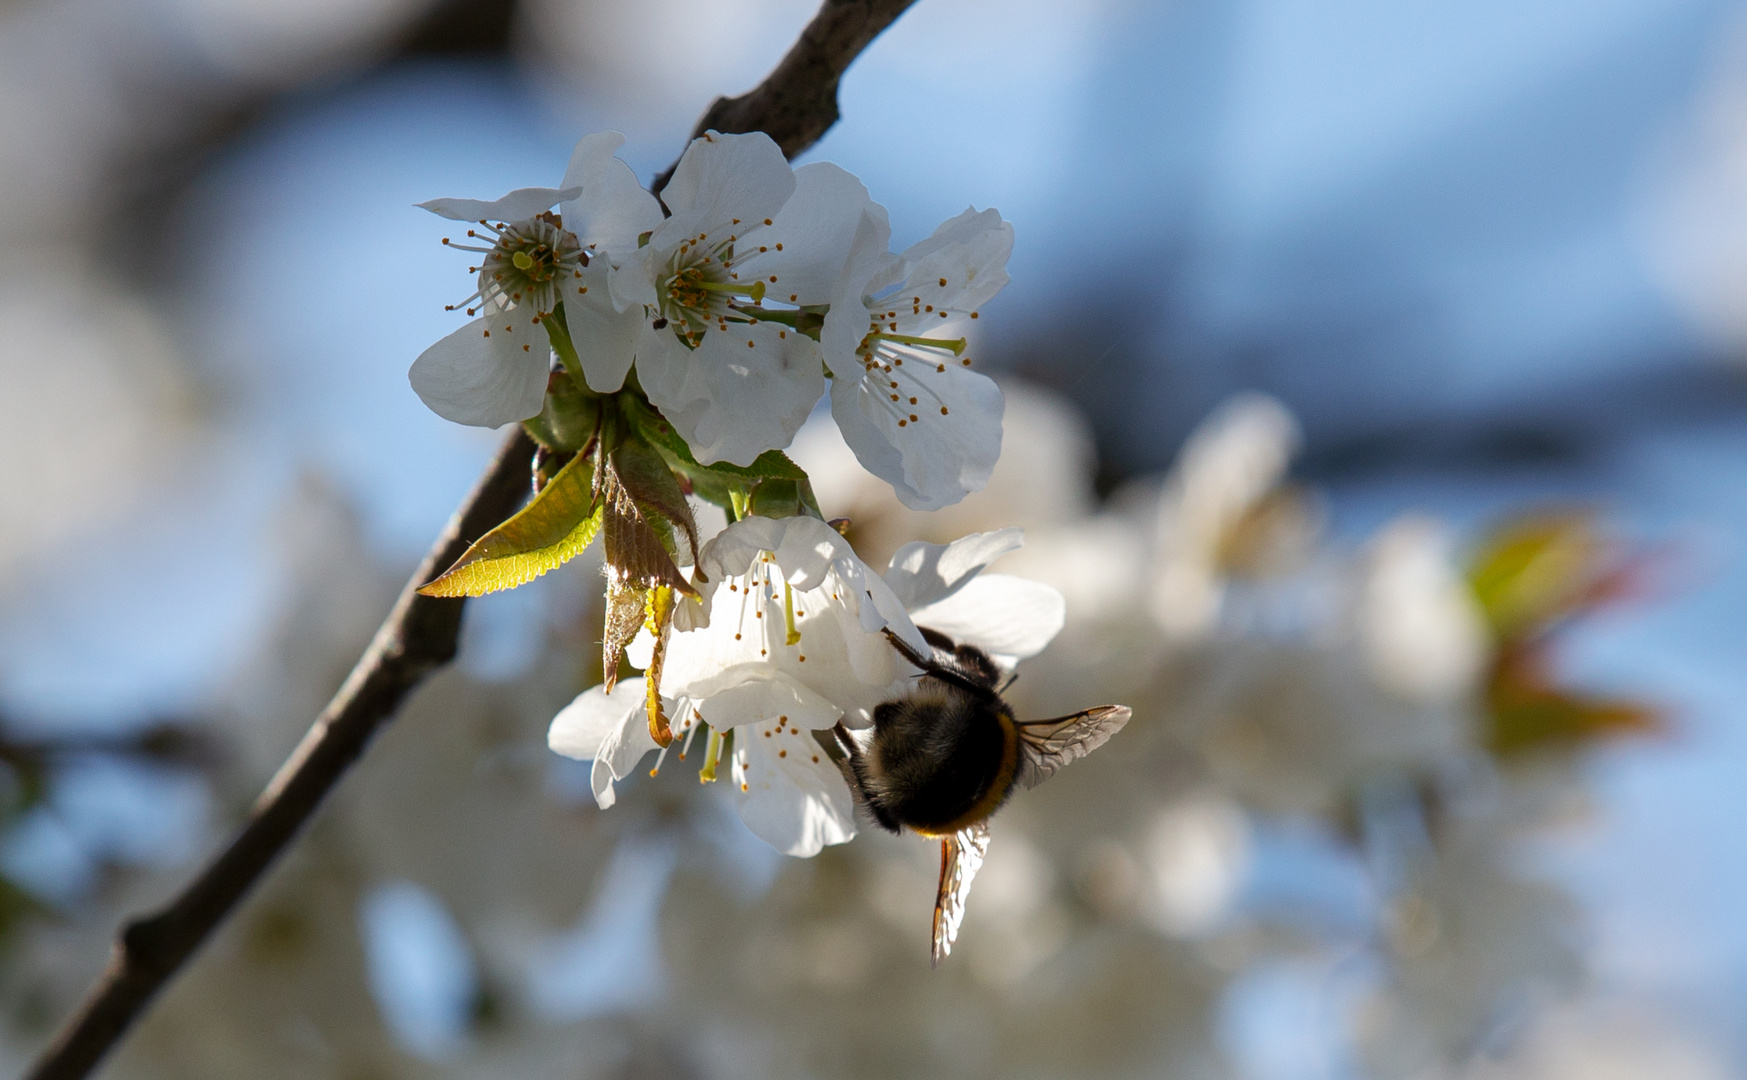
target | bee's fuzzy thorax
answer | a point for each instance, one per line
(942, 756)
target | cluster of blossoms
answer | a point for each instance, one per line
(662, 351)
(729, 312)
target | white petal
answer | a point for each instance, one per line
(582, 727)
(938, 458)
(489, 373)
(605, 338)
(818, 230)
(848, 320)
(739, 393)
(805, 548)
(722, 177)
(840, 608)
(959, 277)
(1009, 616)
(767, 696)
(640, 650)
(609, 728)
(922, 573)
(518, 205)
(633, 278)
(955, 230)
(611, 208)
(789, 793)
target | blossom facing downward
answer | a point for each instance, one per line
(493, 370)
(709, 304)
(903, 391)
(788, 642)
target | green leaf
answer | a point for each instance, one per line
(1535, 571)
(649, 481)
(776, 499)
(554, 528)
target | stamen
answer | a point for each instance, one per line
(955, 346)
(712, 757)
(794, 636)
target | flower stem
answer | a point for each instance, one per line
(558, 332)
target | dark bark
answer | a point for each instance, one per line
(797, 103)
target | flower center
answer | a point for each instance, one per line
(904, 391)
(524, 264)
(701, 290)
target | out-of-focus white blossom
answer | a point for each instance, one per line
(1232, 460)
(1195, 853)
(1421, 629)
(1465, 933)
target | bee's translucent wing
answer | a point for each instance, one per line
(961, 856)
(1046, 745)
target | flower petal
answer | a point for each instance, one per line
(766, 696)
(722, 177)
(957, 277)
(582, 727)
(605, 337)
(816, 231)
(489, 373)
(633, 278)
(611, 208)
(955, 230)
(608, 728)
(789, 793)
(805, 549)
(840, 609)
(518, 205)
(848, 320)
(921, 573)
(741, 392)
(950, 447)
(1009, 616)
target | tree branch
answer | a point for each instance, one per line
(795, 105)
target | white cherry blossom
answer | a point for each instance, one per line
(708, 304)
(903, 391)
(741, 669)
(493, 370)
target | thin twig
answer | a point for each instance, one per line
(796, 104)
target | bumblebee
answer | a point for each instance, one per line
(947, 755)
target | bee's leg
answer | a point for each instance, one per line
(944, 672)
(926, 663)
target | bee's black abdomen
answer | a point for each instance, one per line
(940, 755)
(935, 756)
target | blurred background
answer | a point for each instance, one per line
(1375, 396)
